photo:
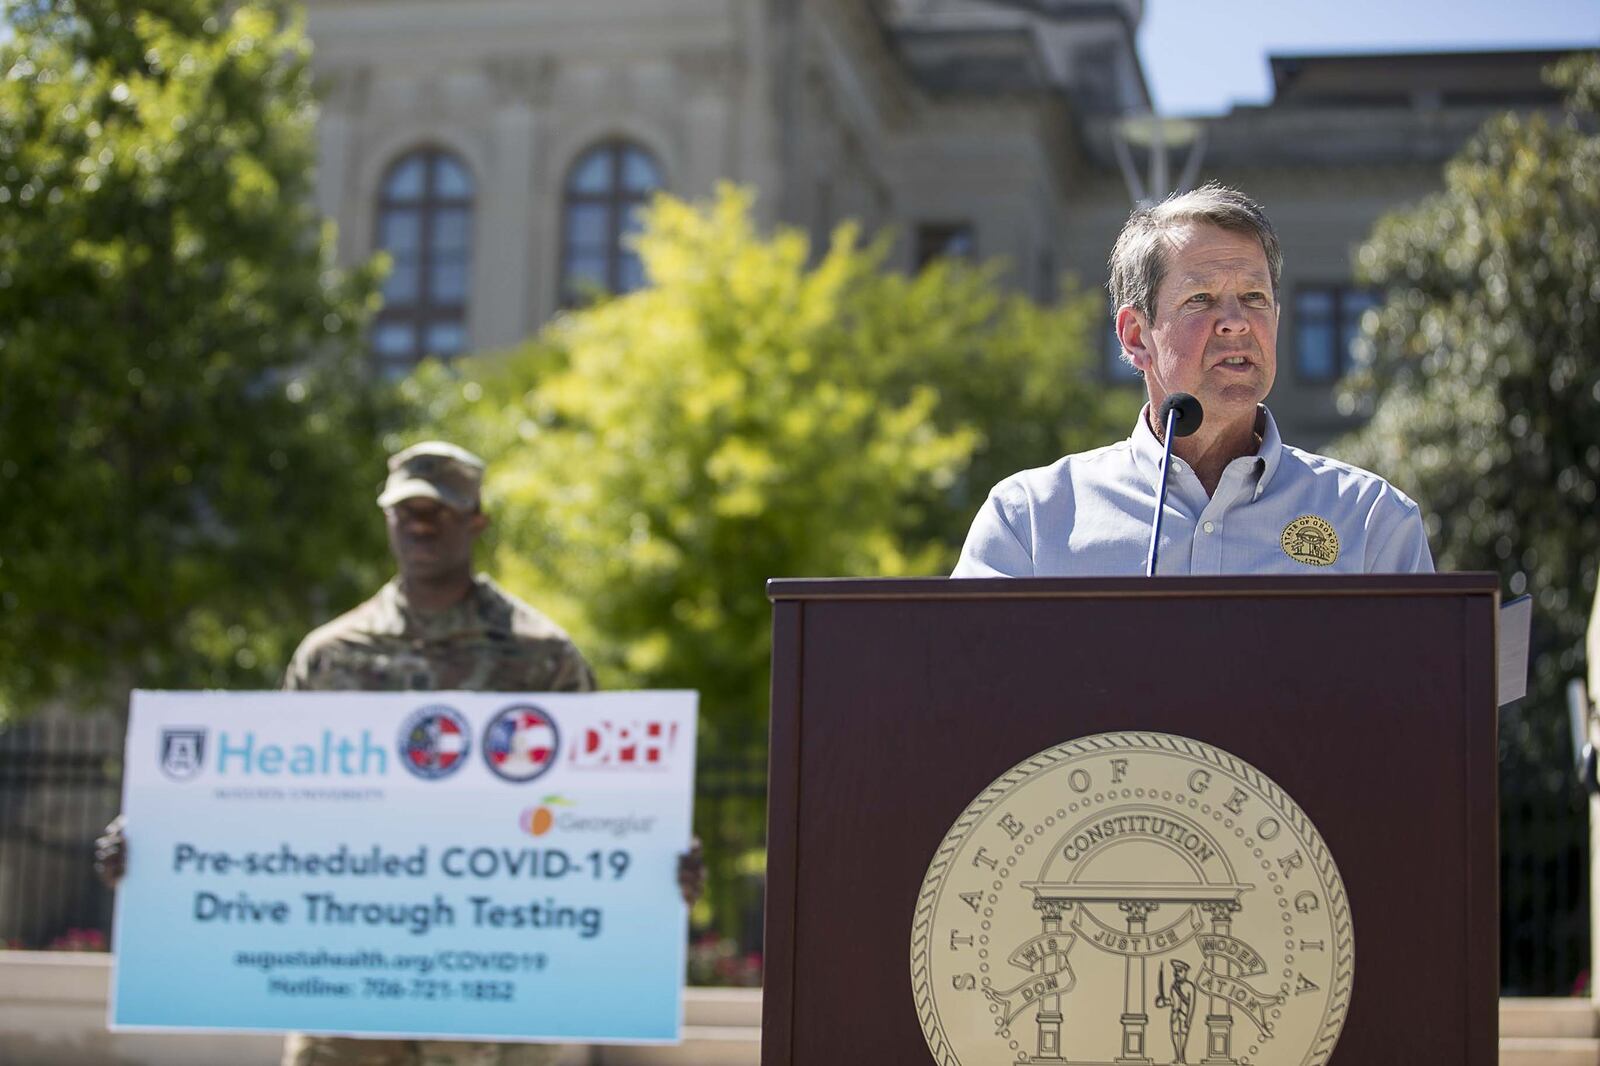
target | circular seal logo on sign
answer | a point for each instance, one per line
(1310, 540)
(434, 742)
(521, 742)
(1132, 897)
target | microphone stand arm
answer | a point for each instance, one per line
(1161, 493)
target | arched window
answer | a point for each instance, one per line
(425, 224)
(605, 191)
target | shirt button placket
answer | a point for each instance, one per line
(1208, 547)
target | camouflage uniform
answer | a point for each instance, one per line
(489, 642)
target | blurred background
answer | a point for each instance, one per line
(726, 290)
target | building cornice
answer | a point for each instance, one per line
(522, 79)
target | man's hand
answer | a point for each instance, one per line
(692, 873)
(111, 854)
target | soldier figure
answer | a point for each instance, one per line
(1181, 1001)
(435, 626)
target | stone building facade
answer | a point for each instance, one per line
(499, 149)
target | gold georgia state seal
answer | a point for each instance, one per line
(1310, 540)
(1132, 898)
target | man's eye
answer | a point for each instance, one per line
(1200, 298)
(1256, 297)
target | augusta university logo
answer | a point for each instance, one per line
(434, 742)
(521, 742)
(183, 752)
(1132, 897)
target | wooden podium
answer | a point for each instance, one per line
(1371, 701)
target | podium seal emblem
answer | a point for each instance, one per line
(1132, 898)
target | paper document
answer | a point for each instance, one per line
(1515, 618)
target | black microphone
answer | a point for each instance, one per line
(1181, 415)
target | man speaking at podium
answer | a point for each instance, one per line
(1194, 280)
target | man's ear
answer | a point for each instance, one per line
(1133, 332)
(479, 523)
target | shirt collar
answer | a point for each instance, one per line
(1147, 450)
(1271, 450)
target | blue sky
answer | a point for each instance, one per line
(1201, 56)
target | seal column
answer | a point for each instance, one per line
(1049, 1015)
(1134, 1018)
(1219, 1017)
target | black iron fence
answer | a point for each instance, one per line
(730, 817)
(60, 783)
(1544, 882)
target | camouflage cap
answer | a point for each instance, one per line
(434, 470)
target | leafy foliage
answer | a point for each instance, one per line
(655, 458)
(1483, 373)
(187, 447)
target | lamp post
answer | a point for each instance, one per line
(1158, 137)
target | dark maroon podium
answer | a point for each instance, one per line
(1371, 700)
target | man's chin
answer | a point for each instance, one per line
(1228, 407)
(1238, 397)
(429, 570)
(419, 563)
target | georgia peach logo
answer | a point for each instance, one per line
(537, 821)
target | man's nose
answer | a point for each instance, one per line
(1231, 318)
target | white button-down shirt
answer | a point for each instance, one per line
(1090, 514)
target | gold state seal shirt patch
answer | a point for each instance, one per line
(1310, 540)
(1132, 897)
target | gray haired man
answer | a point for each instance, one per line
(1194, 281)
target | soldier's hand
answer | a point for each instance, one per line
(692, 872)
(111, 853)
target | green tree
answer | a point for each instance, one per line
(655, 458)
(1482, 374)
(187, 449)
